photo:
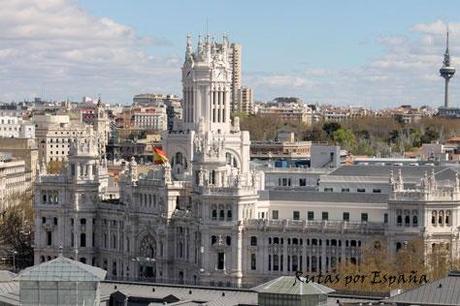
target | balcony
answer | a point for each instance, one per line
(318, 226)
(421, 195)
(226, 191)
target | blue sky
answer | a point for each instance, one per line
(280, 35)
(371, 53)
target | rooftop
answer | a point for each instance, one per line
(293, 286)
(445, 291)
(62, 269)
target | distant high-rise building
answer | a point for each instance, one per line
(245, 100)
(235, 63)
(447, 72)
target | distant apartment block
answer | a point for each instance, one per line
(14, 179)
(287, 109)
(172, 102)
(235, 63)
(285, 147)
(55, 133)
(246, 100)
(22, 149)
(150, 118)
(16, 127)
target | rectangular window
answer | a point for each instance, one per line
(377, 190)
(346, 216)
(276, 266)
(220, 261)
(345, 189)
(361, 190)
(364, 217)
(385, 218)
(285, 182)
(325, 216)
(328, 190)
(275, 215)
(302, 182)
(49, 238)
(296, 215)
(311, 215)
(253, 262)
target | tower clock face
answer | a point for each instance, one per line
(219, 75)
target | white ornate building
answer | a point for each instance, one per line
(207, 217)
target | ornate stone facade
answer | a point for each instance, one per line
(205, 216)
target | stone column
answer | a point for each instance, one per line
(323, 255)
(239, 256)
(285, 255)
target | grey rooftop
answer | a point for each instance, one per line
(63, 269)
(445, 291)
(292, 286)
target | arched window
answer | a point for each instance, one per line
(433, 217)
(179, 158)
(253, 240)
(229, 240)
(214, 214)
(398, 246)
(407, 220)
(231, 160)
(441, 217)
(213, 239)
(415, 220)
(221, 214)
(447, 217)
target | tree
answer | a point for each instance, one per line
(331, 127)
(345, 138)
(16, 231)
(431, 134)
(54, 167)
(315, 134)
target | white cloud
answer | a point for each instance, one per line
(53, 48)
(406, 72)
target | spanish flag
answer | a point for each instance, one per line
(159, 156)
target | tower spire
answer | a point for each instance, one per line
(446, 54)
(447, 71)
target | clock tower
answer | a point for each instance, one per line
(206, 79)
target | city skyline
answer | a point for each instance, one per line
(67, 49)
